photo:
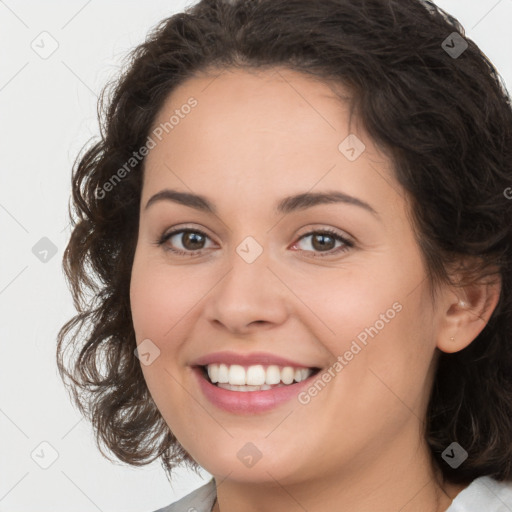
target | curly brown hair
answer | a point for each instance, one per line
(445, 120)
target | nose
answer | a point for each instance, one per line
(250, 296)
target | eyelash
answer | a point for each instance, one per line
(347, 243)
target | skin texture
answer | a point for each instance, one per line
(253, 138)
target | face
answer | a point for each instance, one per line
(259, 283)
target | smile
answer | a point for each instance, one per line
(249, 399)
(235, 377)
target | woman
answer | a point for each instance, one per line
(298, 235)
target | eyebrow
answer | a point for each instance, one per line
(286, 205)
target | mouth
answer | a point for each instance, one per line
(251, 378)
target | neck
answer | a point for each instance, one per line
(384, 482)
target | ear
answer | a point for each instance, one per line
(465, 312)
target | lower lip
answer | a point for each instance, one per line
(249, 402)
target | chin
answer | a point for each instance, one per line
(245, 464)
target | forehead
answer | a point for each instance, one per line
(238, 106)
(263, 133)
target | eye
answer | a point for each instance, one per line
(192, 241)
(324, 241)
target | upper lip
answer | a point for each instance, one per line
(247, 359)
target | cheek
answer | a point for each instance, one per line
(357, 304)
(377, 319)
(159, 304)
(159, 298)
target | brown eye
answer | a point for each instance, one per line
(322, 242)
(191, 241)
(325, 242)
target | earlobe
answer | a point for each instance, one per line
(465, 319)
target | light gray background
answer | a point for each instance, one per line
(48, 112)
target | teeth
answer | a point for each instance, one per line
(264, 387)
(287, 374)
(273, 375)
(237, 375)
(223, 375)
(255, 376)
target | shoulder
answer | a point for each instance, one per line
(484, 493)
(200, 500)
